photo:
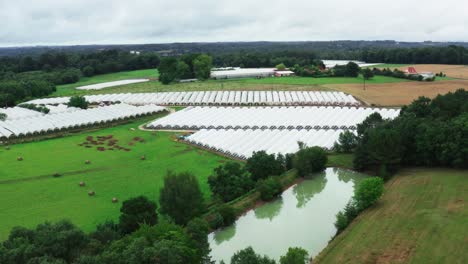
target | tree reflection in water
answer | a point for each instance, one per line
(307, 189)
(226, 234)
(269, 210)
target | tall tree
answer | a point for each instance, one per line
(230, 181)
(135, 212)
(202, 67)
(181, 198)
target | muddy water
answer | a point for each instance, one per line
(303, 216)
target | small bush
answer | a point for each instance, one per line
(368, 192)
(78, 101)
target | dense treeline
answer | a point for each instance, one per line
(14, 90)
(188, 66)
(89, 63)
(264, 59)
(426, 55)
(26, 77)
(426, 133)
(268, 58)
(338, 49)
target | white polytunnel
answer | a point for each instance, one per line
(72, 118)
(242, 144)
(298, 117)
(221, 98)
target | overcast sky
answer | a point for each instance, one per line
(31, 22)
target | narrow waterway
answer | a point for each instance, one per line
(303, 216)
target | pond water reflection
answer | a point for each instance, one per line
(303, 216)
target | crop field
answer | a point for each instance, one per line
(421, 218)
(398, 94)
(45, 184)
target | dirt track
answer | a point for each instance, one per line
(397, 94)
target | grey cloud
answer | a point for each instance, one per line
(30, 22)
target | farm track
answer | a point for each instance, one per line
(48, 176)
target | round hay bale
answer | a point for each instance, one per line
(114, 200)
(20, 158)
(82, 184)
(91, 193)
(143, 157)
(87, 162)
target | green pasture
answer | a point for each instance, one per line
(280, 83)
(110, 77)
(421, 218)
(30, 194)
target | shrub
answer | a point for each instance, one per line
(248, 256)
(280, 67)
(34, 107)
(345, 217)
(368, 192)
(135, 212)
(78, 101)
(3, 116)
(262, 165)
(295, 255)
(310, 160)
(224, 215)
(269, 188)
(230, 181)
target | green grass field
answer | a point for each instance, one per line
(284, 83)
(30, 194)
(422, 218)
(320, 81)
(117, 76)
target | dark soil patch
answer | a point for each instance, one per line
(104, 143)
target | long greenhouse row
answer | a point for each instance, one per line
(242, 143)
(69, 120)
(13, 113)
(232, 98)
(306, 117)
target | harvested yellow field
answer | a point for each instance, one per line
(454, 71)
(398, 94)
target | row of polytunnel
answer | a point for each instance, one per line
(13, 113)
(303, 117)
(47, 123)
(232, 98)
(242, 144)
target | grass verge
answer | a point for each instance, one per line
(420, 219)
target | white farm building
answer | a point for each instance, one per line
(234, 73)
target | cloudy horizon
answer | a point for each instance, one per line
(87, 22)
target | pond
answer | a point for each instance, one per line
(303, 216)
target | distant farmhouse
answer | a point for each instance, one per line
(236, 72)
(425, 75)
